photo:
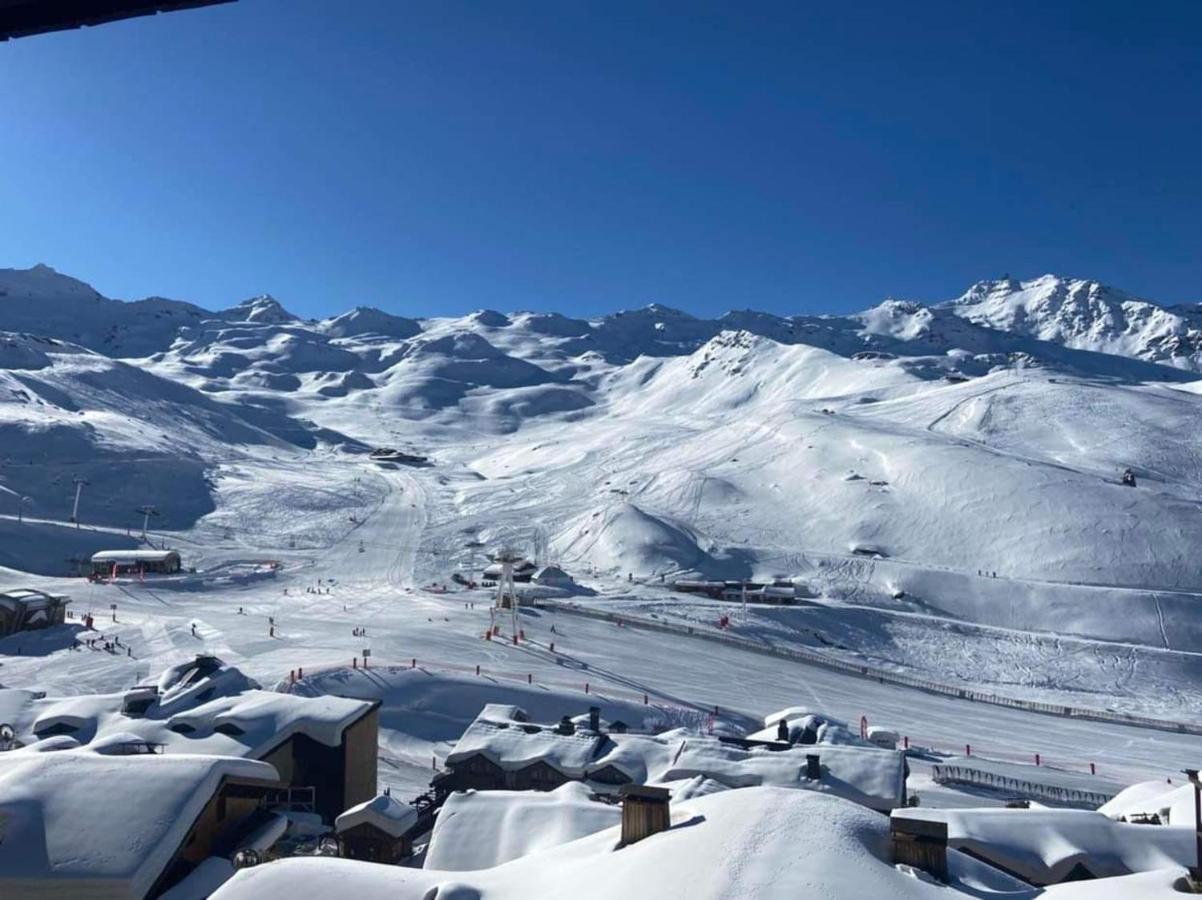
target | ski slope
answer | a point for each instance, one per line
(381, 589)
(943, 483)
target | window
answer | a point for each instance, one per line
(609, 775)
(57, 728)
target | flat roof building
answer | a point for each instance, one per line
(135, 562)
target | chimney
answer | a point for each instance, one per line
(645, 812)
(566, 726)
(920, 843)
(813, 769)
(594, 718)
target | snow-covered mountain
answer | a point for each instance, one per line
(1087, 315)
(896, 453)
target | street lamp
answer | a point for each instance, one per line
(1195, 871)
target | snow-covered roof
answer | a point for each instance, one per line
(104, 825)
(495, 569)
(549, 574)
(383, 811)
(800, 719)
(122, 556)
(481, 829)
(265, 719)
(865, 774)
(32, 598)
(874, 777)
(514, 746)
(1153, 797)
(217, 713)
(1044, 845)
(761, 843)
(641, 757)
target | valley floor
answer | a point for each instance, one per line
(303, 552)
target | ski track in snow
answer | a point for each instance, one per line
(892, 462)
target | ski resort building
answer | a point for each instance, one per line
(501, 751)
(135, 562)
(522, 571)
(27, 610)
(779, 591)
(1043, 846)
(377, 830)
(552, 576)
(109, 824)
(467, 835)
(324, 748)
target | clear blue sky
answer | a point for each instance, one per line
(436, 157)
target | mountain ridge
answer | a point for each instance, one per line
(1081, 314)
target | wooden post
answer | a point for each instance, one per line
(645, 812)
(920, 843)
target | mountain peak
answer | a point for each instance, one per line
(43, 281)
(263, 309)
(1086, 315)
(367, 320)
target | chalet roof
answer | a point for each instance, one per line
(220, 712)
(759, 842)
(1044, 845)
(513, 746)
(866, 774)
(640, 757)
(100, 822)
(872, 777)
(1154, 797)
(383, 811)
(482, 829)
(800, 719)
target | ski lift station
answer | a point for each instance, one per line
(27, 610)
(523, 570)
(136, 562)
